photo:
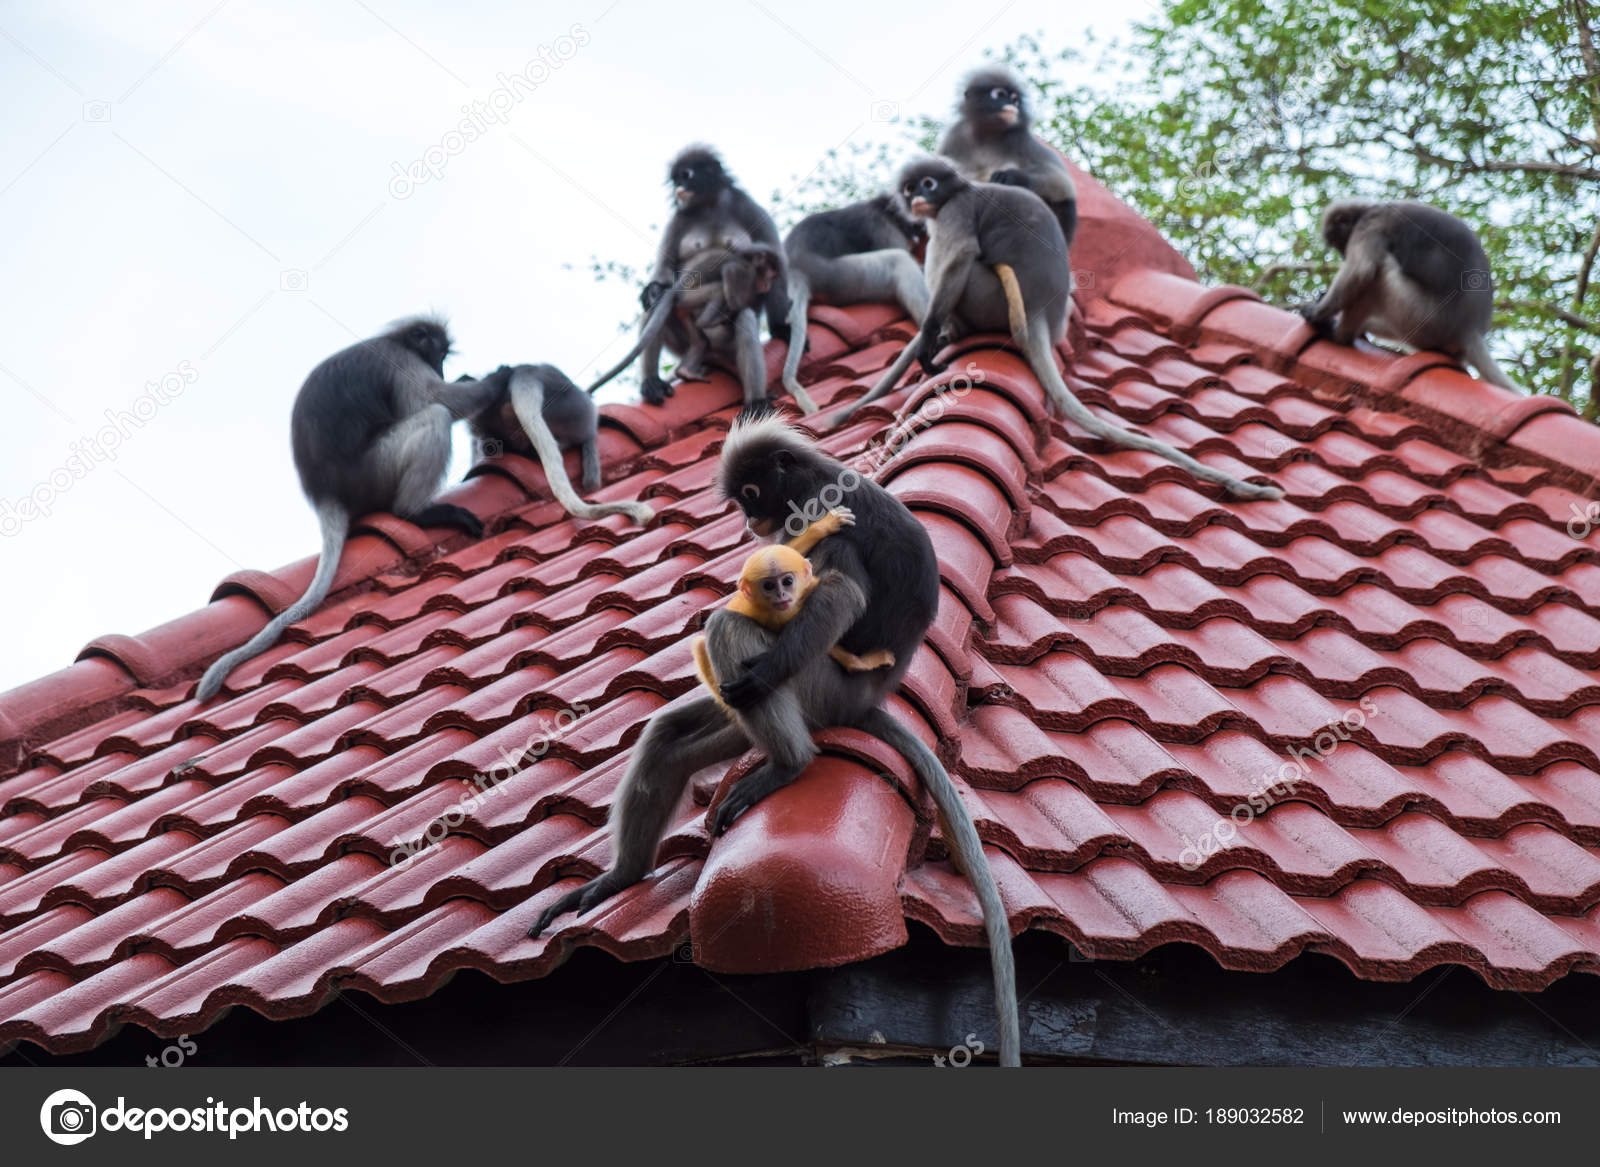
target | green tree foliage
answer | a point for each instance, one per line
(1231, 123)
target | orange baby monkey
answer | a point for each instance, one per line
(774, 583)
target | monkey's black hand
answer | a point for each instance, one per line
(750, 686)
(653, 291)
(581, 899)
(928, 345)
(1322, 326)
(780, 331)
(1012, 177)
(654, 390)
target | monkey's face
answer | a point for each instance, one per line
(764, 266)
(429, 340)
(779, 589)
(696, 177)
(927, 186)
(762, 488)
(993, 104)
(1339, 221)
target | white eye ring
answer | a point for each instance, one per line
(929, 184)
(750, 491)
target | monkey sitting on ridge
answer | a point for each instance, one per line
(370, 431)
(1413, 274)
(773, 584)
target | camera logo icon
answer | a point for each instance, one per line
(68, 1117)
(293, 279)
(1475, 279)
(884, 111)
(97, 111)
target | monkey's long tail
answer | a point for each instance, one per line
(654, 322)
(964, 842)
(799, 302)
(527, 402)
(1035, 343)
(1014, 308)
(1476, 350)
(335, 524)
(886, 383)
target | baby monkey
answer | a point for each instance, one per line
(774, 583)
(728, 280)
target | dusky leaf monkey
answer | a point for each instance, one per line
(712, 212)
(1413, 274)
(994, 142)
(370, 431)
(983, 237)
(857, 254)
(877, 588)
(729, 282)
(541, 413)
(773, 583)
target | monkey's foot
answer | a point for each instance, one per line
(804, 400)
(601, 887)
(746, 792)
(654, 390)
(445, 514)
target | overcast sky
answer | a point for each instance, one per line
(201, 200)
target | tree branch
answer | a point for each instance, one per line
(1273, 270)
(1541, 308)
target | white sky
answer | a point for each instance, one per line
(202, 191)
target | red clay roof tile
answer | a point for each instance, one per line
(1120, 660)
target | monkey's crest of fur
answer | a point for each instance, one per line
(427, 335)
(697, 154)
(754, 443)
(929, 167)
(990, 76)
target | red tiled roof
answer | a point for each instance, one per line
(1119, 658)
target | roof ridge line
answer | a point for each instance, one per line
(1470, 416)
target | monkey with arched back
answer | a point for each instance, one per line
(712, 211)
(994, 142)
(1411, 273)
(542, 413)
(858, 254)
(997, 262)
(877, 588)
(370, 431)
